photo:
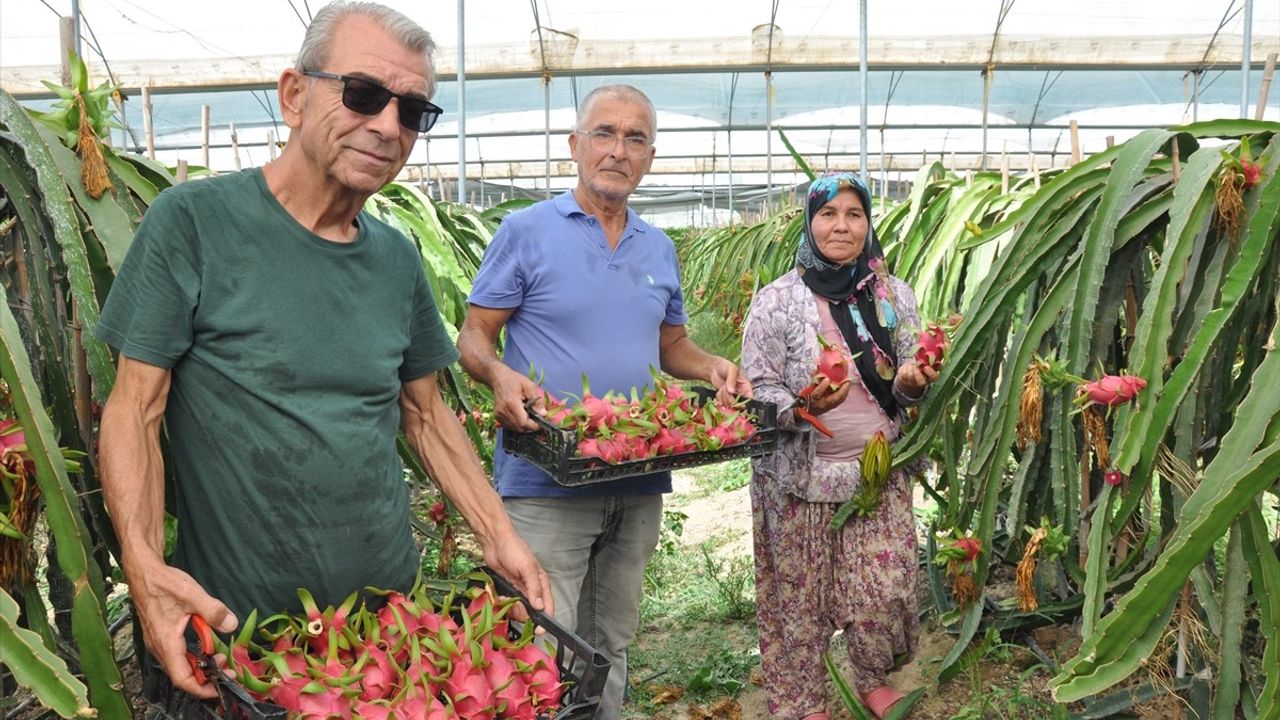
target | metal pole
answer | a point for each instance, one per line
(75, 18)
(733, 89)
(862, 78)
(462, 103)
(546, 112)
(768, 137)
(1195, 96)
(1245, 64)
(66, 43)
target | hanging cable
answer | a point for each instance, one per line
(989, 71)
(1198, 72)
(294, 8)
(1045, 86)
(220, 52)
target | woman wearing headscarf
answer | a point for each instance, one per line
(812, 580)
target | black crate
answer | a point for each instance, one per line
(584, 669)
(579, 663)
(554, 449)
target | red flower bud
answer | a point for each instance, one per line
(972, 548)
(1251, 172)
(438, 513)
(1112, 477)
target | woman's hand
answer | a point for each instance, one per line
(913, 378)
(826, 396)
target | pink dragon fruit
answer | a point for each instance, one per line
(1111, 390)
(833, 363)
(600, 412)
(472, 695)
(541, 674)
(933, 346)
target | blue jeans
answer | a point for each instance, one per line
(595, 550)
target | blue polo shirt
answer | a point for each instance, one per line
(579, 307)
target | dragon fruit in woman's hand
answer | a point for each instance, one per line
(833, 363)
(933, 346)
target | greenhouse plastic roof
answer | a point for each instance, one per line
(1113, 67)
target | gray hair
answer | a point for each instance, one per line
(626, 93)
(314, 53)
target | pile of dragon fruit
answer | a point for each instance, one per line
(459, 658)
(666, 419)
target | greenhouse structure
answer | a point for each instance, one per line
(973, 85)
(1055, 307)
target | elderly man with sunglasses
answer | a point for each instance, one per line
(583, 285)
(283, 335)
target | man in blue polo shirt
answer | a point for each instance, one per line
(583, 285)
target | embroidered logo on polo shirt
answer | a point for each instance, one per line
(650, 278)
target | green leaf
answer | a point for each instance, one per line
(107, 219)
(1259, 235)
(66, 523)
(1235, 584)
(1134, 157)
(804, 166)
(846, 693)
(1265, 568)
(1192, 207)
(1128, 634)
(58, 206)
(38, 668)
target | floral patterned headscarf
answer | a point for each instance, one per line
(859, 292)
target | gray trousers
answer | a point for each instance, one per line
(595, 550)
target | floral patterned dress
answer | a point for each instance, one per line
(810, 580)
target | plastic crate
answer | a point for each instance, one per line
(554, 449)
(584, 669)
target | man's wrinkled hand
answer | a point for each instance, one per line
(510, 557)
(510, 393)
(165, 598)
(729, 381)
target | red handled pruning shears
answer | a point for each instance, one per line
(201, 658)
(802, 412)
(234, 700)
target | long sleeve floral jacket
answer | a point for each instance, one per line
(779, 349)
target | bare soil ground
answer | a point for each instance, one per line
(1005, 678)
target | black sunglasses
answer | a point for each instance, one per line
(369, 98)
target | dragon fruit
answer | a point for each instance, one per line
(1111, 390)
(833, 363)
(933, 346)
(600, 412)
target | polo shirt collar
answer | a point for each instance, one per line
(567, 205)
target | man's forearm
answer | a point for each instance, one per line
(478, 356)
(682, 358)
(446, 452)
(133, 481)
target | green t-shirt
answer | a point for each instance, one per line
(287, 354)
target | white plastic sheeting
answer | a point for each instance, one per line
(1113, 66)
